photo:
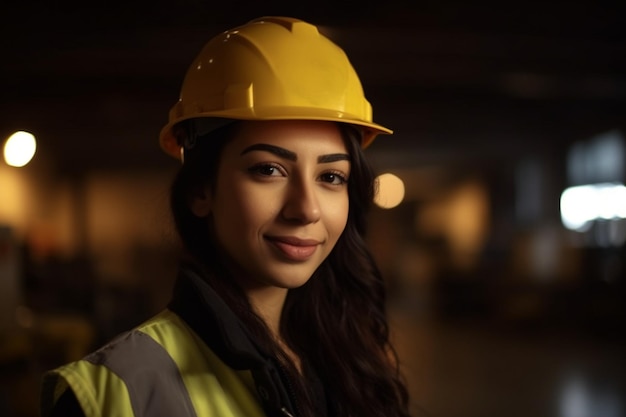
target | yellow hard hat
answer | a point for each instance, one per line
(272, 68)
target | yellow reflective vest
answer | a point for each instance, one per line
(194, 359)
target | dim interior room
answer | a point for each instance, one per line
(500, 219)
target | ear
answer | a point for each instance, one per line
(200, 201)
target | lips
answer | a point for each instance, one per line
(293, 248)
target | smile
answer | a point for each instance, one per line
(293, 248)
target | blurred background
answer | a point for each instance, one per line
(505, 251)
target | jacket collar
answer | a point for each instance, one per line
(221, 330)
(210, 317)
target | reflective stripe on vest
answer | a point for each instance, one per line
(159, 369)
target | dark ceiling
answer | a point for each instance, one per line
(456, 80)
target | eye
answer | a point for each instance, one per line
(334, 178)
(267, 170)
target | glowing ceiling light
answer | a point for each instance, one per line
(19, 148)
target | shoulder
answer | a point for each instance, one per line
(133, 364)
(138, 348)
(149, 336)
(163, 340)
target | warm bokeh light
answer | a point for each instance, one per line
(19, 148)
(461, 216)
(390, 191)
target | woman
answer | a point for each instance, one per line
(279, 307)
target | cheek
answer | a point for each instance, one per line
(337, 216)
(242, 210)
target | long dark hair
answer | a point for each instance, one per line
(342, 306)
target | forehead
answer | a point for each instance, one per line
(300, 136)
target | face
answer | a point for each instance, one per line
(280, 200)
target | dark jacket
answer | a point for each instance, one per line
(199, 306)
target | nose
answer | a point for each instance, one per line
(301, 203)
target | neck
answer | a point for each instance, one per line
(268, 303)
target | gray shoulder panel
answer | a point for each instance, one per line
(154, 382)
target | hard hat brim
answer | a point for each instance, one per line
(369, 129)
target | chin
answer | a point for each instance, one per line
(289, 280)
(289, 283)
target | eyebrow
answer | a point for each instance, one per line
(276, 150)
(333, 157)
(292, 156)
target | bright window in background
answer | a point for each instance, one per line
(583, 204)
(19, 148)
(595, 203)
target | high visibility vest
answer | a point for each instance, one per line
(161, 368)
